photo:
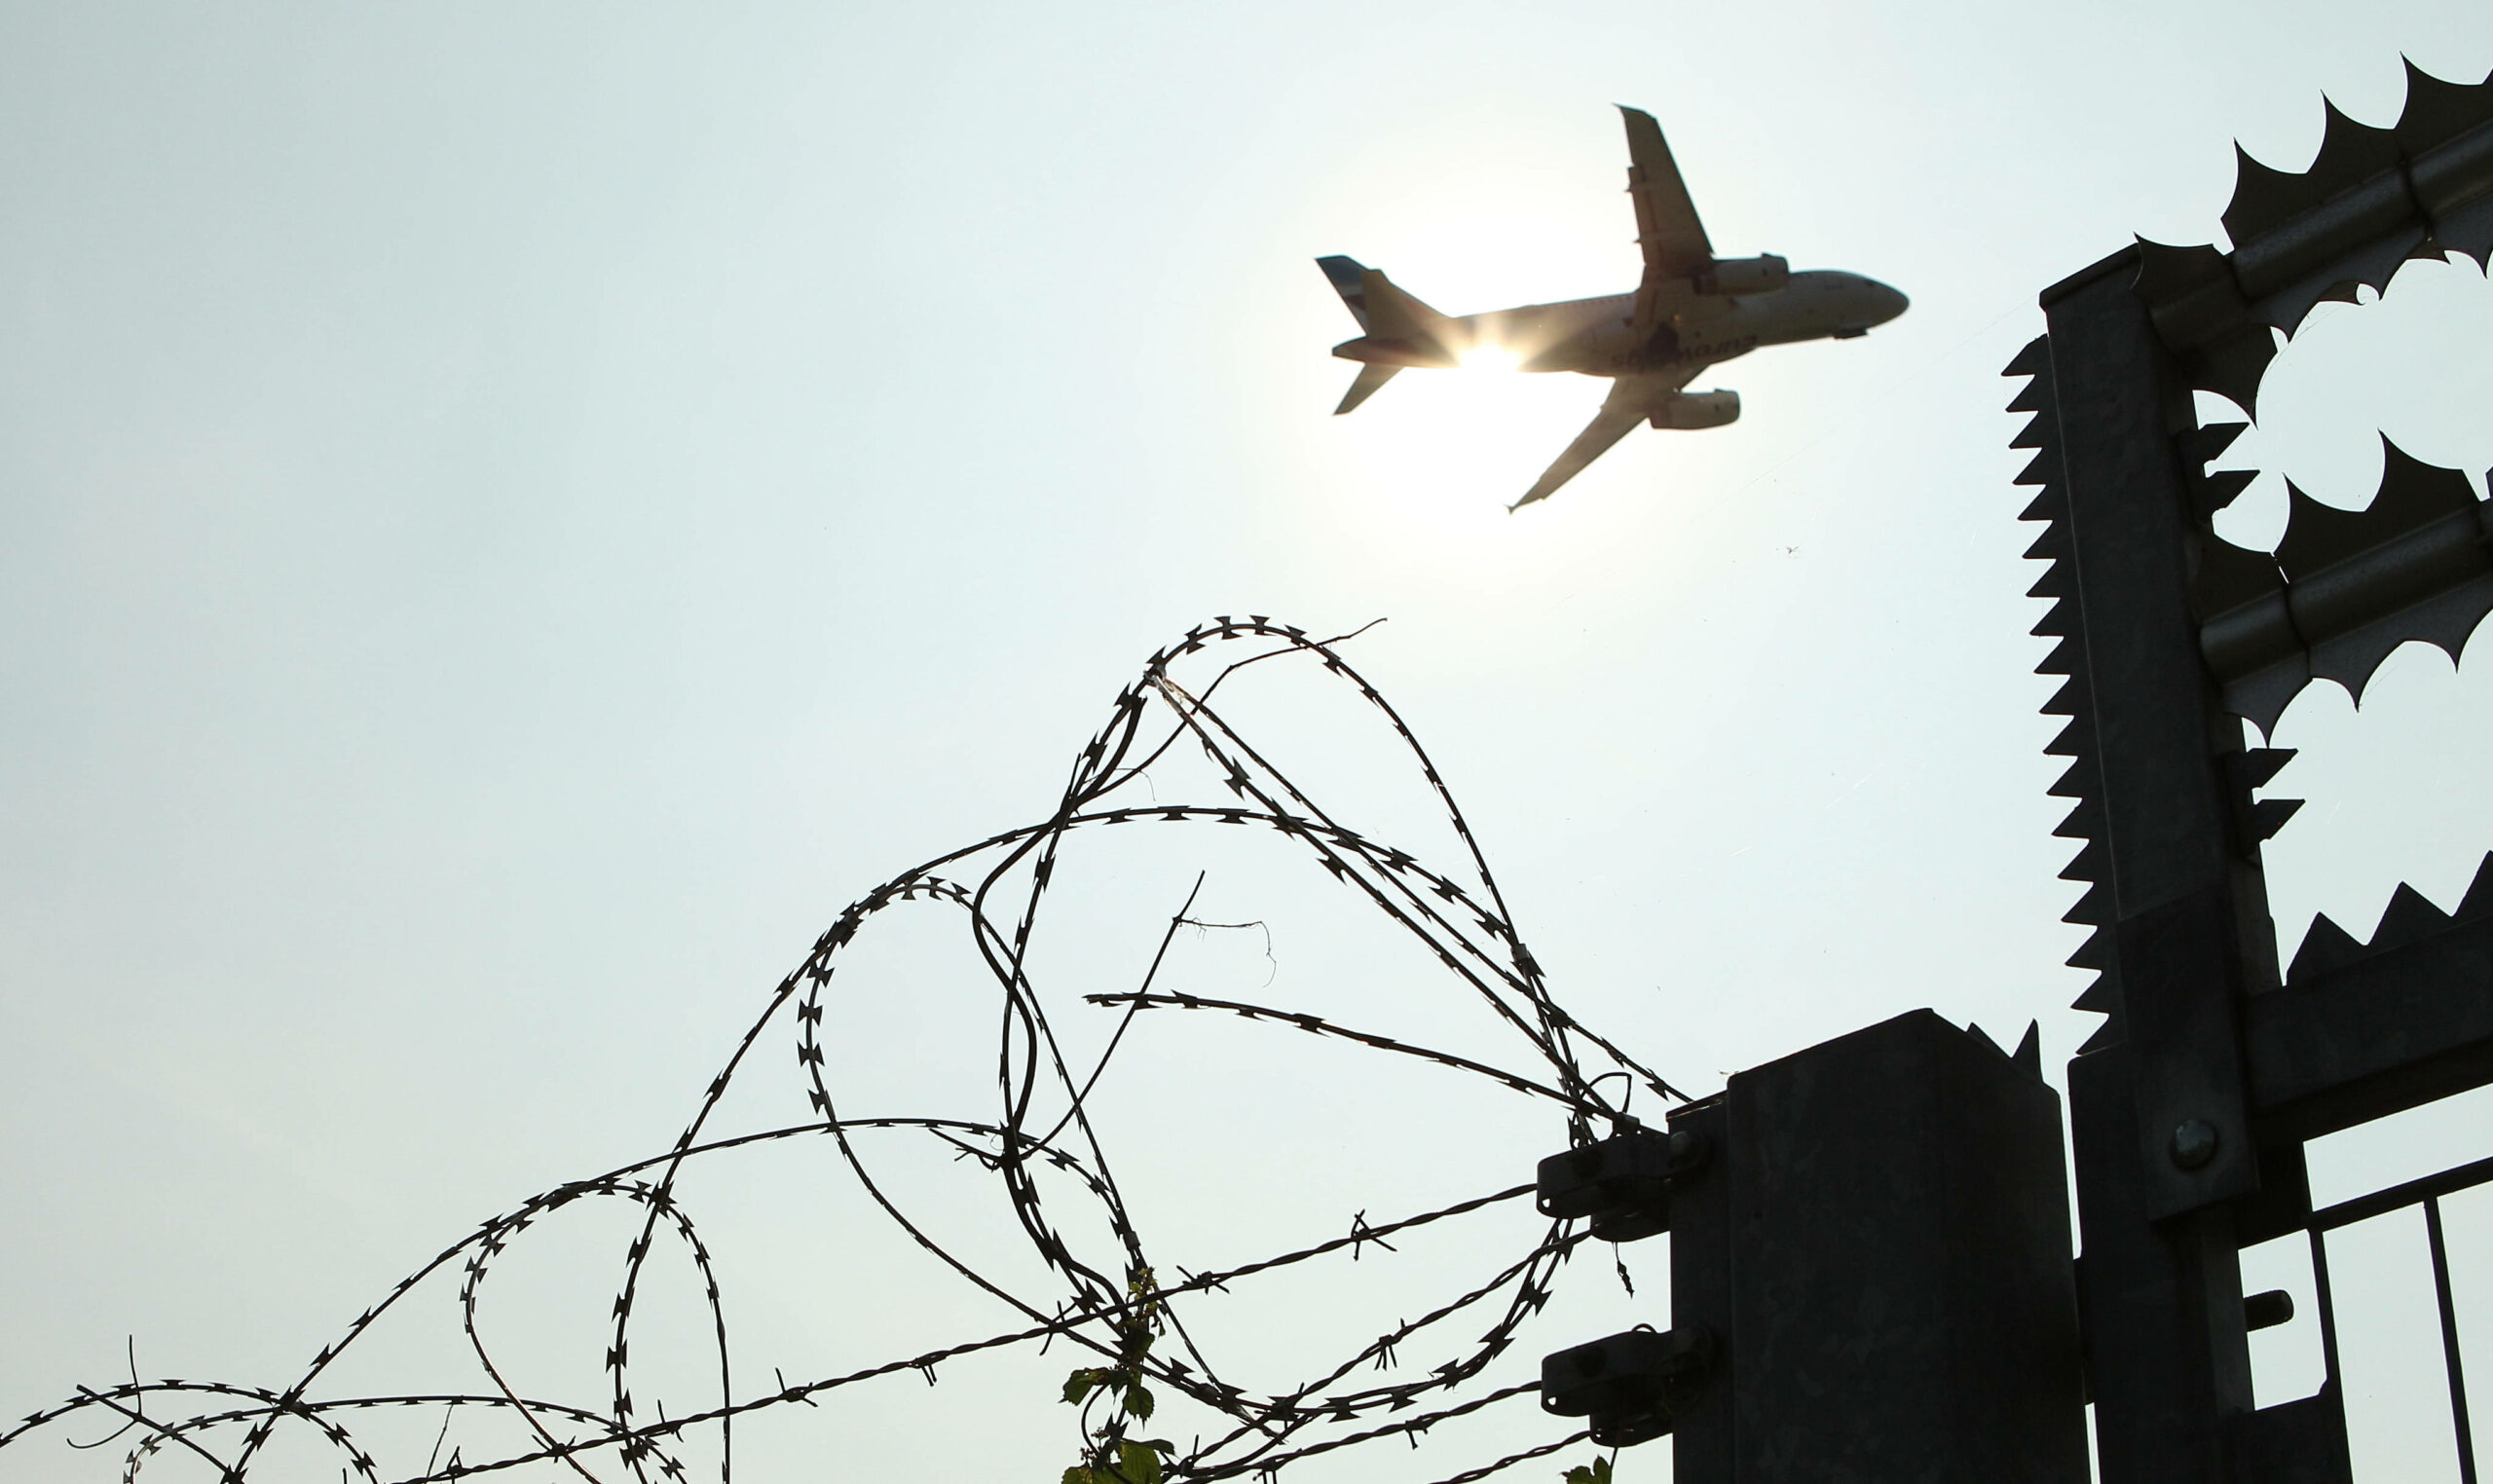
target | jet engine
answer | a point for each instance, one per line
(1690, 410)
(1745, 275)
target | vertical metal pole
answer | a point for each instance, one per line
(2328, 1308)
(2449, 1340)
(2158, 1116)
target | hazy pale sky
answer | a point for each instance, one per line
(511, 516)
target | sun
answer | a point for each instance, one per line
(1489, 359)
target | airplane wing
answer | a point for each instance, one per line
(1631, 400)
(1667, 225)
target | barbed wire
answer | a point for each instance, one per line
(999, 885)
(1468, 1475)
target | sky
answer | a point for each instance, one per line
(510, 518)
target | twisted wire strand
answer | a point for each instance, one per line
(1468, 1475)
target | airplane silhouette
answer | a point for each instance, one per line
(1693, 311)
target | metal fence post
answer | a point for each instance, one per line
(1878, 1247)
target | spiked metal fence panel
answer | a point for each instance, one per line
(2189, 1105)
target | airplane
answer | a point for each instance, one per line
(1693, 311)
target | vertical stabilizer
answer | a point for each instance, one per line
(1349, 279)
(1382, 310)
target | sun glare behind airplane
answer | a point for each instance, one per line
(1490, 358)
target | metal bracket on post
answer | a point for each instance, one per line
(1624, 1183)
(1632, 1386)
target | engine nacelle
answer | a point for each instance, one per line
(1745, 275)
(1687, 411)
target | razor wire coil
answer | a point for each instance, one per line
(1464, 923)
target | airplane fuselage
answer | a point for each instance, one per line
(1599, 337)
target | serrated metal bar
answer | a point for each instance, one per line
(2183, 914)
(2186, 923)
(2447, 180)
(2414, 195)
(2081, 783)
(2371, 200)
(2340, 599)
(2393, 577)
(2240, 643)
(2387, 1031)
(2275, 260)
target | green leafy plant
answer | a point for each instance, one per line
(1595, 1472)
(1108, 1455)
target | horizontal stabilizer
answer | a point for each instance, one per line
(1371, 376)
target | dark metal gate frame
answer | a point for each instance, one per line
(1869, 1267)
(2191, 1105)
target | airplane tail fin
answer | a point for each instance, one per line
(1382, 310)
(1371, 376)
(1350, 281)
